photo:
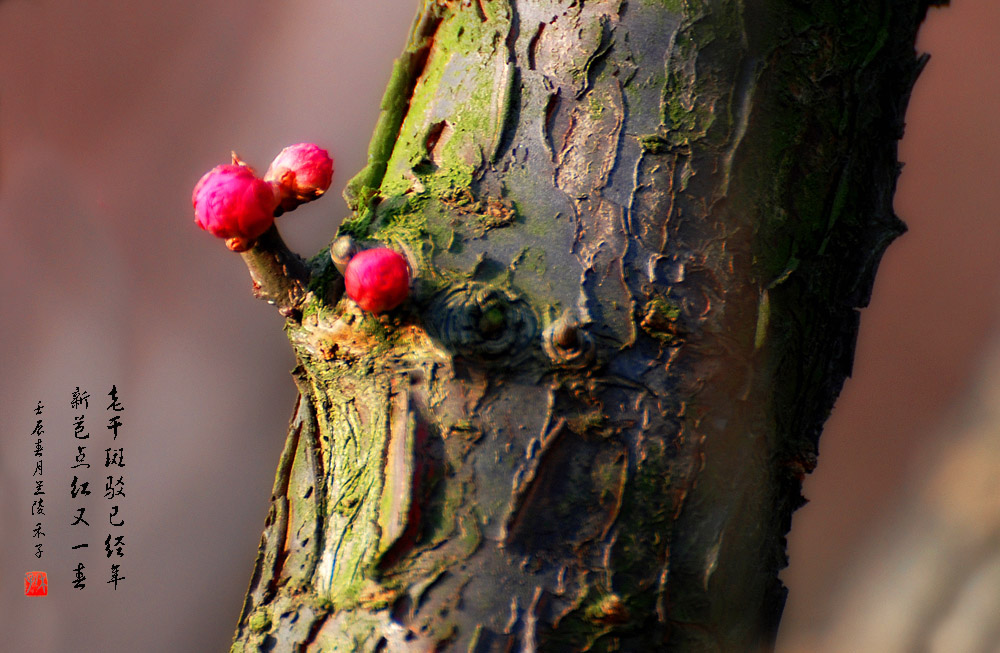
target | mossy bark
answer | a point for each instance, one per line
(642, 233)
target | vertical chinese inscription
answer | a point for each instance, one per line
(114, 463)
(79, 488)
(38, 476)
(80, 563)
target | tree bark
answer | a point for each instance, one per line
(641, 234)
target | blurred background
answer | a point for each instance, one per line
(110, 112)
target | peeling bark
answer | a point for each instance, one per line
(641, 233)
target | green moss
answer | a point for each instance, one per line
(646, 517)
(475, 116)
(470, 535)
(321, 604)
(260, 621)
(352, 455)
(372, 325)
(763, 319)
(399, 146)
(408, 228)
(596, 107)
(578, 630)
(439, 518)
(607, 608)
(801, 177)
(530, 258)
(659, 319)
(588, 422)
(654, 143)
(696, 100)
(363, 187)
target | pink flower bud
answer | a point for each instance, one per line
(378, 280)
(302, 173)
(231, 202)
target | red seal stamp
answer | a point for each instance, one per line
(36, 583)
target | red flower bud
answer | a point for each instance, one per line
(231, 202)
(302, 173)
(378, 280)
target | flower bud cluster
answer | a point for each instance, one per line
(232, 202)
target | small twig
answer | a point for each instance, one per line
(279, 275)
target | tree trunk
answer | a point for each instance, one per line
(641, 233)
